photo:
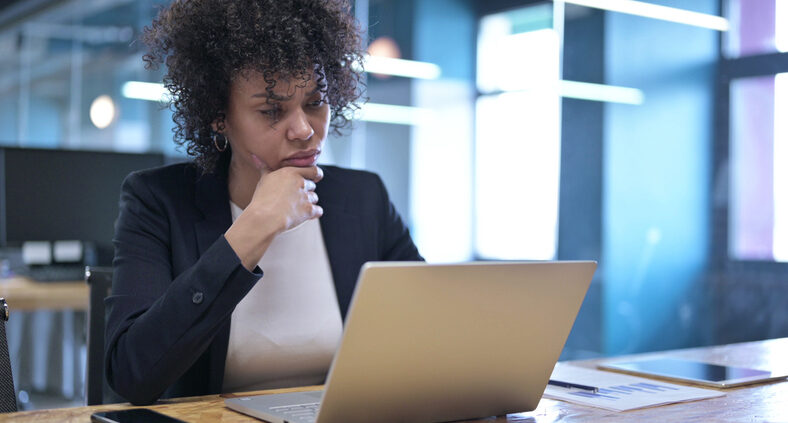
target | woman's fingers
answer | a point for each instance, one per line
(312, 173)
(317, 211)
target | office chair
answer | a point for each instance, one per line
(97, 390)
(7, 395)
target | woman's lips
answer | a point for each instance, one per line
(303, 158)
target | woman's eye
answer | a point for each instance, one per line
(317, 103)
(271, 113)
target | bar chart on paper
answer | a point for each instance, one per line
(619, 392)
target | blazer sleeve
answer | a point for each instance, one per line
(158, 326)
(395, 241)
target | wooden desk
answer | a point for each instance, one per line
(763, 402)
(23, 294)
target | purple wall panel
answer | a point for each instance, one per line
(753, 26)
(752, 163)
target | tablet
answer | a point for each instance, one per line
(694, 371)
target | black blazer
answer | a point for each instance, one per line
(177, 281)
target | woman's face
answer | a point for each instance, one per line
(286, 130)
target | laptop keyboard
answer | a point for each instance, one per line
(297, 413)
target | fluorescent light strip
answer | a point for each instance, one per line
(370, 112)
(150, 91)
(398, 115)
(399, 67)
(587, 91)
(656, 11)
(600, 92)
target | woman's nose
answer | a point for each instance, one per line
(299, 128)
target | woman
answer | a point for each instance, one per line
(234, 272)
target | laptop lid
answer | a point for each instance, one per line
(426, 342)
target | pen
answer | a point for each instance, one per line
(563, 384)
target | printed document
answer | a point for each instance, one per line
(619, 392)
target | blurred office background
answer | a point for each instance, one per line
(652, 139)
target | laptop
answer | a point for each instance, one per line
(441, 342)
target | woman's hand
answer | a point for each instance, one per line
(287, 196)
(282, 200)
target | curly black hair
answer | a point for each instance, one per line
(205, 44)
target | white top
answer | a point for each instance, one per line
(285, 331)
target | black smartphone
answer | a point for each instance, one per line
(134, 415)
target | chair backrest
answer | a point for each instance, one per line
(7, 395)
(97, 390)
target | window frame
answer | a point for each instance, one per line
(481, 10)
(728, 70)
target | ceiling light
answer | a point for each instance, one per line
(151, 91)
(655, 11)
(399, 67)
(102, 111)
(600, 92)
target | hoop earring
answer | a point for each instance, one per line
(215, 137)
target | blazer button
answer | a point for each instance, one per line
(197, 297)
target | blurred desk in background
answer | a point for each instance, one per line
(46, 340)
(24, 294)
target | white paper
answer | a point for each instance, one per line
(619, 392)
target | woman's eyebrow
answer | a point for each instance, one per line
(277, 97)
(272, 96)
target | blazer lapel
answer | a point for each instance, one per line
(213, 200)
(342, 238)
